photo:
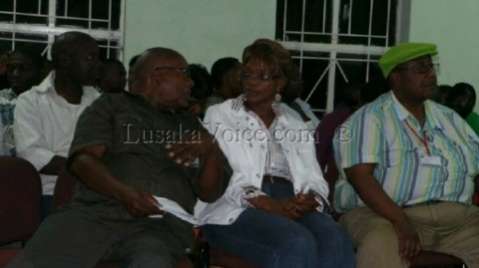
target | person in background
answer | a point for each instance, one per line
(224, 80)
(3, 69)
(440, 94)
(347, 102)
(112, 78)
(201, 89)
(23, 69)
(46, 116)
(462, 99)
(273, 213)
(130, 77)
(292, 93)
(407, 170)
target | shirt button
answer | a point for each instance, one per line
(257, 175)
(230, 220)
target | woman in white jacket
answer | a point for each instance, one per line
(272, 213)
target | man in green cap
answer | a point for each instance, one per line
(408, 167)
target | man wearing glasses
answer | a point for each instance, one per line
(127, 150)
(408, 167)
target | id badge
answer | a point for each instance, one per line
(431, 161)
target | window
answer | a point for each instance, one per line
(34, 23)
(336, 42)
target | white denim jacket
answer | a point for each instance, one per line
(243, 141)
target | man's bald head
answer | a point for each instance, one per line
(146, 63)
(75, 56)
(161, 76)
(67, 43)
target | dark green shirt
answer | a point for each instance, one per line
(473, 120)
(135, 135)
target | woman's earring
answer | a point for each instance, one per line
(277, 97)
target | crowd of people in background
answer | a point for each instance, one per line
(386, 179)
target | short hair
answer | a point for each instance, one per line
(461, 89)
(279, 60)
(113, 61)
(271, 53)
(220, 68)
(201, 82)
(64, 42)
(32, 55)
(133, 60)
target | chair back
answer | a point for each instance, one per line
(20, 199)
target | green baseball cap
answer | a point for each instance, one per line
(403, 53)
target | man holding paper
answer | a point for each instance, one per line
(131, 152)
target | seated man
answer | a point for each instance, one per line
(23, 70)
(45, 116)
(124, 152)
(410, 165)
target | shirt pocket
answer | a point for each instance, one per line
(129, 131)
(397, 156)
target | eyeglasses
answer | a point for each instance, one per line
(258, 77)
(186, 71)
(423, 68)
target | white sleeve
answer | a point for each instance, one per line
(29, 140)
(238, 190)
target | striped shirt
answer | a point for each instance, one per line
(7, 105)
(385, 133)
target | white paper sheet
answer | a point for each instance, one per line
(170, 206)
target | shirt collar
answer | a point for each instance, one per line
(47, 84)
(403, 113)
(238, 105)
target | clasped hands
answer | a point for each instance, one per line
(292, 208)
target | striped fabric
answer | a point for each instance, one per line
(378, 133)
(7, 105)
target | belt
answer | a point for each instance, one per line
(426, 203)
(275, 179)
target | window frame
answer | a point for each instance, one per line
(334, 47)
(50, 30)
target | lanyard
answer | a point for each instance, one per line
(423, 139)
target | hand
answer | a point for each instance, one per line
(305, 203)
(409, 244)
(140, 204)
(192, 147)
(286, 208)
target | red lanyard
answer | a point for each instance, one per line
(423, 140)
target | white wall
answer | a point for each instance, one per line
(202, 30)
(453, 26)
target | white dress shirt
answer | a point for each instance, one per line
(44, 124)
(244, 142)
